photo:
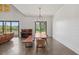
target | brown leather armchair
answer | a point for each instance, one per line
(26, 32)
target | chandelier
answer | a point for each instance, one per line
(39, 16)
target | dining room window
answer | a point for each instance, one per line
(40, 28)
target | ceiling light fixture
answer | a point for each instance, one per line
(40, 16)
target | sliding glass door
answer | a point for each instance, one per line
(9, 26)
(6, 27)
(15, 28)
(1, 27)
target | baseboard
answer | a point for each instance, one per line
(73, 49)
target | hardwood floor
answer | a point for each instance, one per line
(17, 47)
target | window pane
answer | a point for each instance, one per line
(37, 27)
(15, 28)
(42, 27)
(6, 27)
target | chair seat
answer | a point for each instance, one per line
(40, 43)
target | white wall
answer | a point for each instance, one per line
(66, 26)
(31, 20)
(25, 21)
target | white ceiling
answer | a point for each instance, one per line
(33, 9)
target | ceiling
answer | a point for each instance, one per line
(33, 9)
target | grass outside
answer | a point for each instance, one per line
(7, 28)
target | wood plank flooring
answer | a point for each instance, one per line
(17, 47)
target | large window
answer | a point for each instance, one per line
(9, 26)
(40, 28)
